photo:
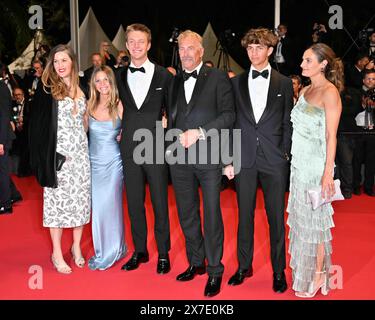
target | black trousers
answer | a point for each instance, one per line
(344, 160)
(273, 182)
(5, 181)
(186, 180)
(20, 149)
(135, 177)
(364, 153)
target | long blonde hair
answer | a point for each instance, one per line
(54, 82)
(95, 95)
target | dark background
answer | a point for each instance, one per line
(162, 16)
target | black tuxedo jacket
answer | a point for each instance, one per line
(6, 132)
(353, 77)
(84, 82)
(151, 110)
(211, 105)
(288, 51)
(273, 131)
(43, 136)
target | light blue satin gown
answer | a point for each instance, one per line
(107, 185)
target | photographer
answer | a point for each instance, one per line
(9, 79)
(320, 33)
(122, 60)
(353, 72)
(8, 191)
(370, 65)
(371, 45)
(20, 148)
(365, 148)
(284, 52)
(32, 79)
(96, 61)
(347, 138)
(107, 57)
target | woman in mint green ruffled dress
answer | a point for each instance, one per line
(315, 120)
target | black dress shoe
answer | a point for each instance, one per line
(16, 199)
(164, 265)
(190, 273)
(347, 194)
(135, 260)
(370, 193)
(6, 209)
(212, 287)
(279, 282)
(240, 276)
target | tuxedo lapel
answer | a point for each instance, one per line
(199, 85)
(154, 82)
(130, 98)
(177, 83)
(272, 94)
(245, 95)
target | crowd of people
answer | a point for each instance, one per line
(79, 137)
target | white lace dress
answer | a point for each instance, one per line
(69, 205)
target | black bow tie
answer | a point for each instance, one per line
(256, 74)
(141, 69)
(187, 75)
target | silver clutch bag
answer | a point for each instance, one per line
(316, 199)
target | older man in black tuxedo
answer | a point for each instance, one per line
(200, 99)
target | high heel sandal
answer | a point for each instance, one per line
(322, 286)
(80, 262)
(65, 269)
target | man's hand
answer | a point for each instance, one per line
(164, 122)
(19, 126)
(189, 137)
(229, 172)
(2, 150)
(368, 102)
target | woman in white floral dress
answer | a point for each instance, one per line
(58, 130)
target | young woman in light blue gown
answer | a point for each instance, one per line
(104, 117)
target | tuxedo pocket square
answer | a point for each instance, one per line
(279, 94)
(157, 89)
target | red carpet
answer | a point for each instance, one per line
(25, 243)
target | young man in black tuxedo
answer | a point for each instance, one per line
(200, 99)
(264, 100)
(142, 89)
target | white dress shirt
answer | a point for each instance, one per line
(190, 83)
(35, 84)
(139, 82)
(279, 58)
(258, 89)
